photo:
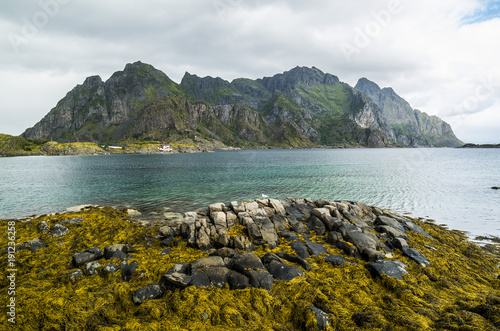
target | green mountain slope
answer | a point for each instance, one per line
(303, 107)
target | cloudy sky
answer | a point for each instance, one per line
(442, 56)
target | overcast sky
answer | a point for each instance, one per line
(442, 56)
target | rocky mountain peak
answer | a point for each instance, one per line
(298, 76)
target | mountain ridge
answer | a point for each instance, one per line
(302, 107)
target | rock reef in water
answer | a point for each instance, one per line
(281, 264)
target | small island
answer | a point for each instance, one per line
(480, 146)
(270, 264)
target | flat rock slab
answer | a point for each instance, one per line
(283, 271)
(394, 269)
(316, 249)
(89, 255)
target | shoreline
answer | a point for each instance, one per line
(323, 264)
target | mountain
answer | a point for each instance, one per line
(302, 107)
(411, 127)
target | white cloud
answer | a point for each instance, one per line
(435, 54)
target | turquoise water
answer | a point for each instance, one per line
(452, 186)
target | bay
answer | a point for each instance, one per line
(452, 186)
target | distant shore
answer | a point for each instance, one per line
(480, 146)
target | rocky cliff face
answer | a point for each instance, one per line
(411, 127)
(302, 107)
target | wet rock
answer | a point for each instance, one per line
(295, 213)
(372, 255)
(337, 260)
(280, 222)
(384, 220)
(398, 243)
(416, 256)
(333, 237)
(205, 262)
(200, 279)
(89, 255)
(175, 280)
(251, 266)
(148, 292)
(345, 228)
(242, 243)
(75, 276)
(225, 253)
(316, 225)
(394, 269)
(409, 225)
(179, 268)
(279, 269)
(59, 230)
(295, 259)
(361, 241)
(358, 222)
(300, 228)
(321, 317)
(128, 270)
(118, 251)
(167, 241)
(300, 249)
(289, 235)
(166, 251)
(74, 220)
(348, 248)
(92, 268)
(43, 227)
(237, 281)
(32, 245)
(166, 231)
(389, 230)
(315, 248)
(218, 276)
(111, 268)
(252, 228)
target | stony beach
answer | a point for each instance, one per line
(272, 264)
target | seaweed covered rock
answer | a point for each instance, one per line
(89, 255)
(363, 272)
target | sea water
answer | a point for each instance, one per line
(451, 186)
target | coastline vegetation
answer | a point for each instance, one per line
(459, 291)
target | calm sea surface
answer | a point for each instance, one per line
(452, 186)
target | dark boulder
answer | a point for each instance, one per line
(92, 268)
(283, 271)
(206, 262)
(128, 270)
(166, 251)
(89, 255)
(295, 259)
(394, 269)
(175, 280)
(74, 276)
(200, 279)
(148, 292)
(32, 245)
(251, 266)
(167, 241)
(389, 221)
(315, 249)
(110, 268)
(300, 249)
(43, 227)
(225, 253)
(59, 231)
(316, 225)
(337, 260)
(237, 281)
(260, 279)
(416, 256)
(118, 251)
(218, 276)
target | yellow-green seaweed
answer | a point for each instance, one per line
(460, 291)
